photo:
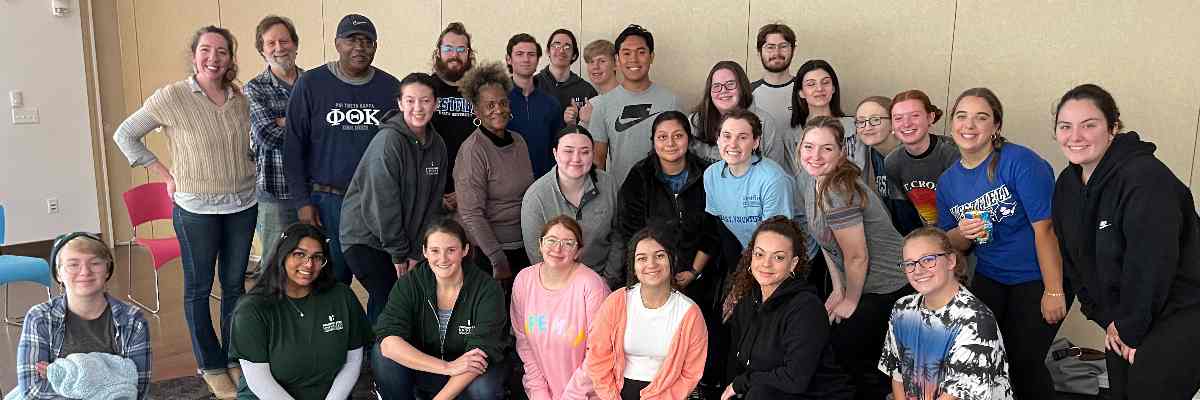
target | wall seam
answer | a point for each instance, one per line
(1195, 148)
(746, 48)
(950, 67)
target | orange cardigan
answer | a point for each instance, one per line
(605, 359)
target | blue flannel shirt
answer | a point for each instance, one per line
(268, 97)
(42, 340)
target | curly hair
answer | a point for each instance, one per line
(743, 280)
(490, 73)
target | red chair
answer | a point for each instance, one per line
(145, 203)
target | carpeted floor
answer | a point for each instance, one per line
(193, 388)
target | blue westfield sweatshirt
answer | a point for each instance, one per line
(329, 124)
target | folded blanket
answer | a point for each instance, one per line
(99, 376)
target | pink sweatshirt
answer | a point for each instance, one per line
(551, 330)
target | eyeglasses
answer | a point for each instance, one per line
(95, 266)
(454, 49)
(317, 259)
(717, 86)
(553, 242)
(561, 46)
(874, 121)
(780, 47)
(361, 41)
(929, 262)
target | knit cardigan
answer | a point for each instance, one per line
(210, 145)
(605, 359)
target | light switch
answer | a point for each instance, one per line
(16, 98)
(25, 116)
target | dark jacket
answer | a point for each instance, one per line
(781, 349)
(1130, 238)
(396, 191)
(645, 200)
(574, 89)
(479, 319)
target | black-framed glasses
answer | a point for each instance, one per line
(929, 262)
(553, 242)
(780, 46)
(717, 86)
(317, 259)
(874, 121)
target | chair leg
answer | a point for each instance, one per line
(157, 298)
(11, 320)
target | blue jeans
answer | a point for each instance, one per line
(209, 241)
(397, 382)
(329, 209)
(273, 219)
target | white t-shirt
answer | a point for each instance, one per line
(775, 100)
(649, 332)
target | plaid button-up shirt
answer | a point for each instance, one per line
(268, 97)
(42, 339)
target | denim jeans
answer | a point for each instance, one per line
(329, 209)
(397, 382)
(273, 219)
(209, 241)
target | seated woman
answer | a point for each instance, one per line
(942, 342)
(444, 331)
(1136, 271)
(860, 246)
(649, 341)
(781, 335)
(298, 333)
(85, 319)
(553, 304)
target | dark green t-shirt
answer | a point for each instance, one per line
(88, 336)
(306, 352)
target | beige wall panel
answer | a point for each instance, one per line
(872, 53)
(242, 18)
(406, 30)
(1031, 52)
(489, 37)
(688, 38)
(112, 110)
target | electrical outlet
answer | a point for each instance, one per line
(25, 116)
(52, 206)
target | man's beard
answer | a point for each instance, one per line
(442, 68)
(281, 63)
(767, 65)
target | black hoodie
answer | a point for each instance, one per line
(645, 200)
(1130, 238)
(781, 348)
(566, 92)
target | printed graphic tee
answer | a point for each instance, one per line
(916, 176)
(623, 119)
(956, 349)
(454, 120)
(1019, 195)
(742, 202)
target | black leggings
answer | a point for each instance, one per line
(858, 342)
(632, 389)
(1166, 365)
(376, 273)
(1027, 337)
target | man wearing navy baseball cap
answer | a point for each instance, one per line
(332, 116)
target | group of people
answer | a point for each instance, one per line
(532, 234)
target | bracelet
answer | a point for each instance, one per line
(1055, 294)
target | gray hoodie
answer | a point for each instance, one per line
(602, 249)
(396, 191)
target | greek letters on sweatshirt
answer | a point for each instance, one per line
(330, 123)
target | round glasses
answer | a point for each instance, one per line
(929, 262)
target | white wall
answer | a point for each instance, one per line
(43, 57)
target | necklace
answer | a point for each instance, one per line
(289, 299)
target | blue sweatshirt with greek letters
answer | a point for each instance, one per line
(330, 122)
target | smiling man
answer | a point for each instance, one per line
(334, 112)
(773, 93)
(557, 79)
(535, 115)
(454, 118)
(621, 119)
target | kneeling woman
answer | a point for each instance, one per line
(781, 337)
(648, 341)
(444, 331)
(85, 319)
(298, 333)
(942, 342)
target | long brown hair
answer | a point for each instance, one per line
(228, 81)
(844, 178)
(707, 118)
(743, 280)
(998, 141)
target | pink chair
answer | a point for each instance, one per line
(145, 203)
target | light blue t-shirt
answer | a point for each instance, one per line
(1019, 195)
(742, 202)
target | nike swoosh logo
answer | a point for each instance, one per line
(622, 126)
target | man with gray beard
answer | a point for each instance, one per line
(268, 94)
(454, 118)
